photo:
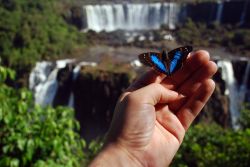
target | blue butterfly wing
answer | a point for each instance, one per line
(177, 57)
(166, 64)
(153, 59)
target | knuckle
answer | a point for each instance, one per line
(130, 98)
(156, 85)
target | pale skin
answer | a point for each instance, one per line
(154, 113)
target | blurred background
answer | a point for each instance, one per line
(63, 64)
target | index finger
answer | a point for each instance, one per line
(147, 78)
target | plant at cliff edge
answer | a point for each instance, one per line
(34, 136)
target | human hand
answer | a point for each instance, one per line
(152, 116)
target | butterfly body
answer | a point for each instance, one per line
(166, 63)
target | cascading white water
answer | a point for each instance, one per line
(43, 82)
(40, 73)
(131, 16)
(145, 16)
(231, 90)
(243, 87)
(75, 74)
(220, 7)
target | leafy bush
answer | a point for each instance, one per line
(34, 136)
(33, 30)
(210, 145)
(235, 39)
(93, 148)
(244, 119)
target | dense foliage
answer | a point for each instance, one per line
(210, 145)
(244, 119)
(212, 35)
(34, 136)
(32, 30)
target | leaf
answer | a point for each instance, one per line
(14, 162)
(6, 149)
(1, 114)
(21, 144)
(4, 161)
(29, 149)
(3, 74)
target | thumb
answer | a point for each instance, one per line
(135, 113)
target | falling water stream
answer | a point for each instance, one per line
(44, 84)
(131, 16)
(235, 92)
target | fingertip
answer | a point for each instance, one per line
(194, 105)
(211, 68)
(209, 86)
(205, 91)
(201, 55)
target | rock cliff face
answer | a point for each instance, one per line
(93, 94)
(217, 108)
(95, 99)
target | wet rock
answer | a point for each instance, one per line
(64, 78)
(95, 98)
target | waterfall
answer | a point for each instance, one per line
(220, 7)
(243, 87)
(75, 74)
(147, 16)
(131, 16)
(244, 12)
(43, 82)
(231, 90)
(39, 74)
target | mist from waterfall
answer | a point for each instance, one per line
(131, 16)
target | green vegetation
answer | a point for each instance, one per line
(31, 30)
(34, 136)
(210, 145)
(214, 35)
(245, 117)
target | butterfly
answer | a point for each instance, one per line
(166, 63)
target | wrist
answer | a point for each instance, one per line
(115, 155)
